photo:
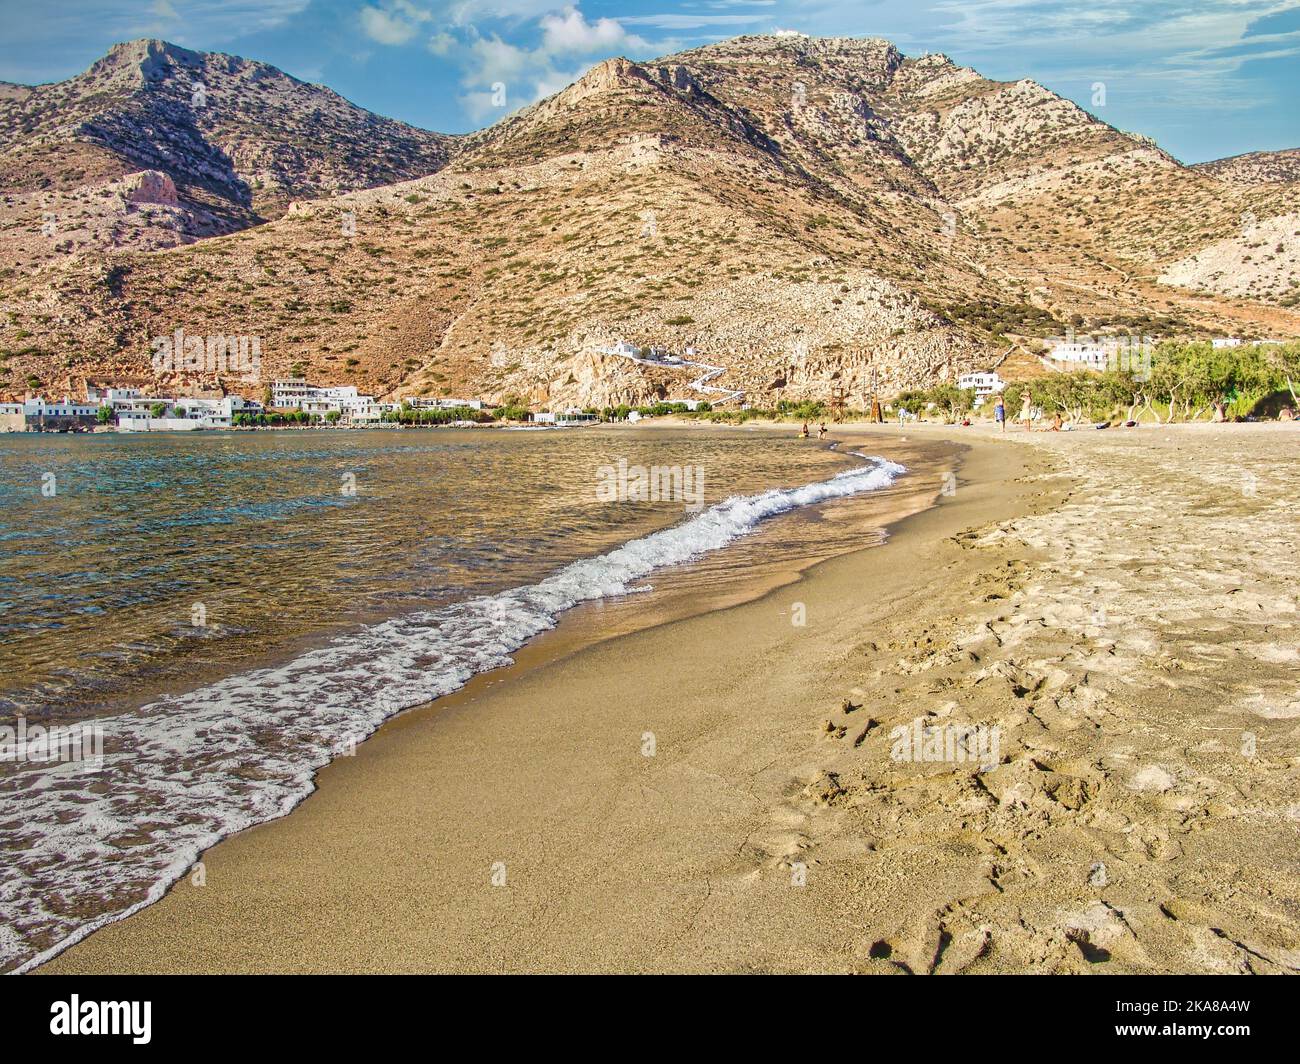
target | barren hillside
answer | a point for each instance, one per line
(809, 214)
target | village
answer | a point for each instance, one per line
(295, 402)
(290, 402)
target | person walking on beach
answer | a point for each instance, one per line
(821, 431)
(1000, 414)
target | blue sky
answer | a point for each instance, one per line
(1206, 78)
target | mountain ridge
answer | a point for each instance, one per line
(239, 139)
(812, 214)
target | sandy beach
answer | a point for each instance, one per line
(724, 792)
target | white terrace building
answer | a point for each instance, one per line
(427, 402)
(39, 407)
(187, 415)
(984, 384)
(1085, 354)
(297, 394)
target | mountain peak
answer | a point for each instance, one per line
(148, 57)
(238, 138)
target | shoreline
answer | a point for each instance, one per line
(723, 792)
(554, 651)
(606, 618)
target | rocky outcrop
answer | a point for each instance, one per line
(149, 186)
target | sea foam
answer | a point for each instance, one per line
(187, 770)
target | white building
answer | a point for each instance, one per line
(1089, 355)
(38, 407)
(984, 384)
(567, 419)
(297, 394)
(187, 414)
(1226, 341)
(428, 402)
(216, 413)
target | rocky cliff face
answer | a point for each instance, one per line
(813, 216)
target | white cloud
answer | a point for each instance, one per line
(479, 106)
(396, 23)
(498, 60)
(570, 32)
(442, 44)
(694, 22)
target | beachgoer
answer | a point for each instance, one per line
(1000, 414)
(1026, 411)
(1056, 422)
(821, 430)
(1285, 414)
(803, 432)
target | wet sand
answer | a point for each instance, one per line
(717, 793)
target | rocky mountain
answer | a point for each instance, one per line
(808, 214)
(205, 143)
(1256, 167)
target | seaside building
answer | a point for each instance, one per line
(40, 415)
(187, 414)
(565, 419)
(1226, 341)
(1126, 354)
(427, 402)
(290, 394)
(984, 384)
(355, 408)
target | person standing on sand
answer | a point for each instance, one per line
(1000, 414)
(821, 431)
(1026, 411)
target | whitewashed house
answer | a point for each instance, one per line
(1089, 354)
(984, 384)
